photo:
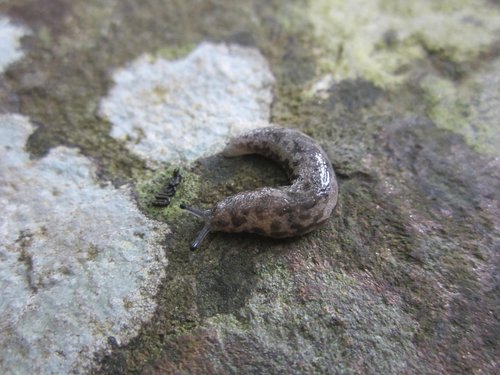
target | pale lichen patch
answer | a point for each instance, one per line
(78, 261)
(182, 109)
(10, 42)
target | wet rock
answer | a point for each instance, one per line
(403, 97)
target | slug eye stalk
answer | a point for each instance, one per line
(205, 230)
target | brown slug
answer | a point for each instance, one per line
(277, 212)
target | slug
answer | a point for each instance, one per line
(278, 212)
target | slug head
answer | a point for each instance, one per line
(218, 219)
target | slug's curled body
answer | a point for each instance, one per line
(277, 212)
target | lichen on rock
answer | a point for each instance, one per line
(377, 40)
(79, 262)
(470, 109)
(183, 109)
(10, 45)
(403, 96)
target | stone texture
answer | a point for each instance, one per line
(10, 49)
(377, 40)
(403, 97)
(184, 109)
(79, 263)
(469, 109)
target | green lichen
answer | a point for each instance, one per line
(175, 52)
(465, 109)
(45, 36)
(377, 40)
(445, 106)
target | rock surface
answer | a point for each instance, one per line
(101, 101)
(10, 49)
(79, 263)
(171, 104)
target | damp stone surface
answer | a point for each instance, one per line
(78, 262)
(180, 110)
(110, 97)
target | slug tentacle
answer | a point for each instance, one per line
(195, 211)
(203, 214)
(200, 237)
(281, 211)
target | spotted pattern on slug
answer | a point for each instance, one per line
(278, 212)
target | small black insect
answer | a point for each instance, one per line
(163, 198)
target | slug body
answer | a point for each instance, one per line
(277, 212)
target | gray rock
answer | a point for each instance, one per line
(403, 97)
(79, 263)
